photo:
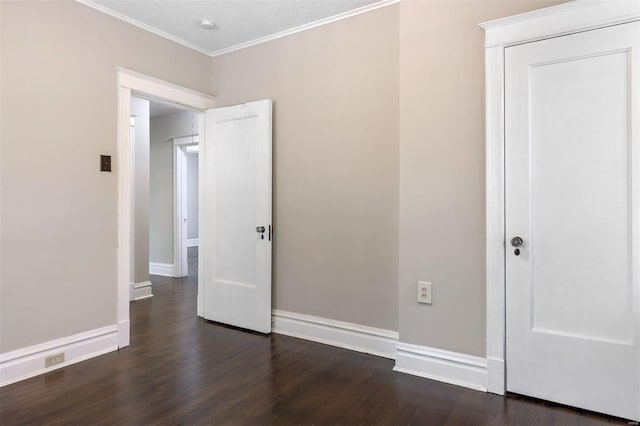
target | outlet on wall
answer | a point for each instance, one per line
(424, 292)
(53, 359)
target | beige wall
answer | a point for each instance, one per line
(442, 190)
(335, 92)
(140, 171)
(58, 244)
(378, 164)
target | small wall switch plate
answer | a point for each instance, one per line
(53, 359)
(424, 292)
(105, 163)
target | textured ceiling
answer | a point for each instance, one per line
(237, 21)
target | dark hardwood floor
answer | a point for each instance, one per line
(182, 370)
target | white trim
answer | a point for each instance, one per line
(305, 27)
(445, 366)
(201, 226)
(187, 140)
(28, 362)
(180, 259)
(140, 291)
(213, 53)
(163, 269)
(192, 242)
(540, 24)
(125, 208)
(431, 363)
(149, 87)
(356, 337)
(92, 4)
(496, 376)
(565, 18)
(124, 328)
(495, 237)
(164, 91)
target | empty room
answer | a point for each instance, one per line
(320, 212)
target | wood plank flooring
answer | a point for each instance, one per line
(182, 370)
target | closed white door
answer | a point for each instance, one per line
(235, 221)
(572, 138)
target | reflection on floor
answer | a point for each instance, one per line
(181, 369)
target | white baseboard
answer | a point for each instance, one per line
(28, 362)
(356, 337)
(445, 366)
(192, 242)
(435, 364)
(163, 269)
(140, 291)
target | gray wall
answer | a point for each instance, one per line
(335, 92)
(192, 195)
(140, 248)
(383, 105)
(378, 164)
(442, 191)
(163, 129)
(59, 113)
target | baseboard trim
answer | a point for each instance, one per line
(163, 269)
(444, 366)
(28, 362)
(356, 337)
(192, 242)
(141, 291)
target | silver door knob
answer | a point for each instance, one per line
(516, 242)
(260, 229)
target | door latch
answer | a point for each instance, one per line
(517, 243)
(261, 230)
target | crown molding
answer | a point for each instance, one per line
(364, 9)
(305, 27)
(92, 4)
(562, 19)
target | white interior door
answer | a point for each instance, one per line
(572, 111)
(235, 222)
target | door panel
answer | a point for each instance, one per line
(237, 201)
(579, 183)
(571, 112)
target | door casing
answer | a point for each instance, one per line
(180, 254)
(130, 83)
(563, 19)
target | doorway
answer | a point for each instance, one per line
(164, 192)
(234, 194)
(185, 151)
(133, 84)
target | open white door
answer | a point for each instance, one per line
(235, 222)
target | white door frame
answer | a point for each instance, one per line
(128, 83)
(563, 19)
(180, 254)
